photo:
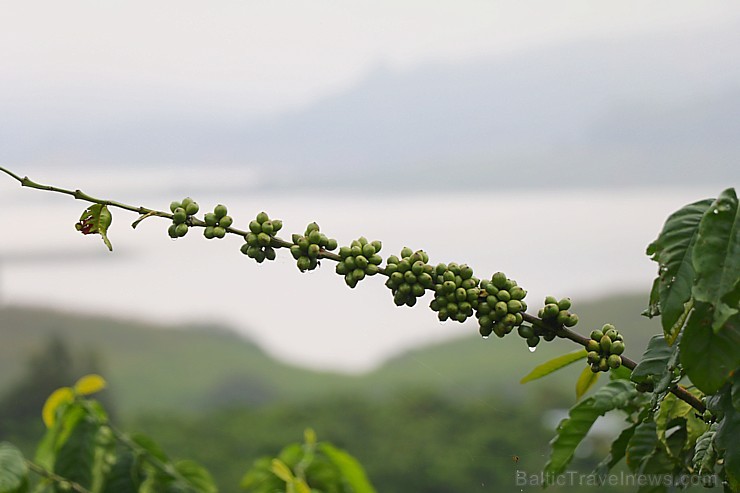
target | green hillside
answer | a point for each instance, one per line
(154, 368)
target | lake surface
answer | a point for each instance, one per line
(578, 243)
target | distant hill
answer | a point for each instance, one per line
(193, 368)
(606, 111)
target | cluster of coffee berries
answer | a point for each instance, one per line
(604, 349)
(217, 222)
(409, 276)
(456, 292)
(502, 309)
(259, 239)
(181, 212)
(306, 247)
(360, 259)
(557, 311)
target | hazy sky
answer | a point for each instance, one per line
(210, 57)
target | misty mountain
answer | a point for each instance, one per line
(606, 112)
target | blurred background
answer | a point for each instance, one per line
(546, 140)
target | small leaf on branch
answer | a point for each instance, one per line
(554, 364)
(89, 384)
(95, 220)
(57, 398)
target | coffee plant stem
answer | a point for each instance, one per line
(55, 477)
(563, 332)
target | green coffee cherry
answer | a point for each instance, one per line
(181, 230)
(225, 221)
(503, 304)
(308, 246)
(175, 205)
(617, 347)
(607, 345)
(220, 211)
(405, 285)
(180, 216)
(455, 288)
(210, 219)
(192, 208)
(259, 241)
(360, 259)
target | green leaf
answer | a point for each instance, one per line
(585, 381)
(281, 470)
(671, 408)
(641, 445)
(96, 219)
(570, 431)
(673, 252)
(351, 470)
(13, 469)
(716, 256)
(76, 458)
(554, 365)
(149, 446)
(124, 476)
(707, 356)
(616, 454)
(197, 476)
(658, 363)
(705, 456)
(735, 392)
(726, 439)
(55, 437)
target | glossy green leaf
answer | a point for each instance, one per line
(616, 452)
(197, 476)
(570, 431)
(658, 362)
(585, 381)
(96, 219)
(672, 250)
(352, 472)
(554, 364)
(707, 356)
(13, 469)
(716, 256)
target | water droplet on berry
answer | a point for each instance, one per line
(486, 337)
(532, 349)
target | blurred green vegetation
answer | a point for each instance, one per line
(448, 417)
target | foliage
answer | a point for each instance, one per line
(83, 452)
(696, 294)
